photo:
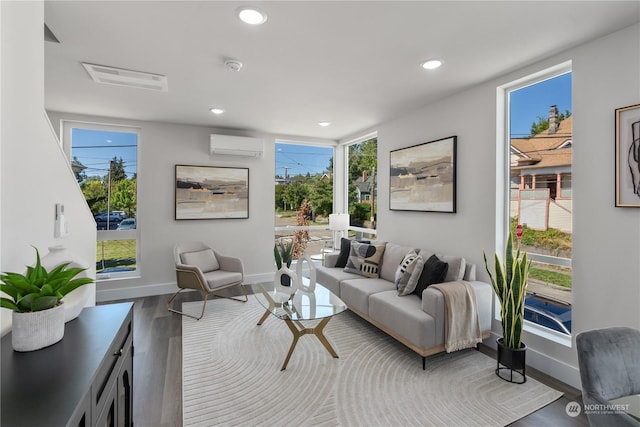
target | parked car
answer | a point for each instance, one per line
(548, 313)
(101, 220)
(127, 224)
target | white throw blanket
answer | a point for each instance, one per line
(462, 324)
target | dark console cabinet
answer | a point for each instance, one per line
(84, 380)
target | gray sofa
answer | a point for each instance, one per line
(418, 323)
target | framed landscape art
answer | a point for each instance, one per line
(628, 156)
(210, 192)
(423, 177)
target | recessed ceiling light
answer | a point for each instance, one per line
(324, 124)
(251, 15)
(217, 110)
(431, 64)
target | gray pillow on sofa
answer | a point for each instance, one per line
(457, 265)
(408, 273)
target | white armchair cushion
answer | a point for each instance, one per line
(205, 260)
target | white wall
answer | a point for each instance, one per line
(35, 174)
(606, 254)
(162, 146)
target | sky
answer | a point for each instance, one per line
(527, 104)
(95, 148)
(300, 159)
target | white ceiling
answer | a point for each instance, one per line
(355, 64)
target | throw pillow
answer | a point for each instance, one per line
(434, 271)
(457, 266)
(408, 273)
(345, 249)
(205, 260)
(364, 259)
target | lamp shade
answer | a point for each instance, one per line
(338, 222)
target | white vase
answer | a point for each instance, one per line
(76, 300)
(310, 284)
(38, 329)
(283, 276)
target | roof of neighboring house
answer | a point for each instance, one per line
(544, 150)
(364, 186)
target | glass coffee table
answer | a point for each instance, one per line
(321, 304)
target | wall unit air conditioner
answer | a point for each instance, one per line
(242, 146)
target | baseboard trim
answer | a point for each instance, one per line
(129, 292)
(557, 369)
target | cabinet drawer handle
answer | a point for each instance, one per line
(119, 352)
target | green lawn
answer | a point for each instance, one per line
(549, 276)
(117, 253)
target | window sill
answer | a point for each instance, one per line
(548, 334)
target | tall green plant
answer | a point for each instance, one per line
(39, 289)
(509, 282)
(283, 253)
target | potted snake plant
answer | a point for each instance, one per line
(509, 282)
(35, 299)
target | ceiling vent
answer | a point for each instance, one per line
(130, 78)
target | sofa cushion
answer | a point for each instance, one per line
(205, 260)
(433, 271)
(408, 273)
(457, 265)
(355, 292)
(330, 278)
(405, 317)
(365, 259)
(393, 255)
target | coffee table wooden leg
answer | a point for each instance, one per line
(264, 317)
(296, 335)
(300, 330)
(272, 305)
(318, 332)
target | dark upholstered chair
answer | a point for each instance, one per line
(609, 361)
(202, 268)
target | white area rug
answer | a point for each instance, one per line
(231, 376)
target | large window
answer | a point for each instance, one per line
(304, 196)
(539, 191)
(362, 184)
(104, 160)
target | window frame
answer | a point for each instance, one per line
(503, 178)
(110, 235)
(343, 195)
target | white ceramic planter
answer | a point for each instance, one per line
(285, 280)
(76, 300)
(36, 330)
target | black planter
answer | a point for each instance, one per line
(510, 361)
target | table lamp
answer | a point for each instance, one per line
(338, 223)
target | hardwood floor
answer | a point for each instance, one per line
(157, 393)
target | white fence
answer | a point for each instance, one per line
(538, 211)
